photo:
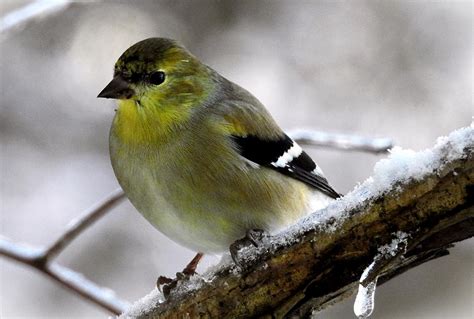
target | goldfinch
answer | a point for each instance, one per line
(200, 157)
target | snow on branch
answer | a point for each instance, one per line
(77, 226)
(42, 258)
(347, 142)
(412, 209)
(34, 10)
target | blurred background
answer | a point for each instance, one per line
(399, 69)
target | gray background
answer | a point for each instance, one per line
(401, 69)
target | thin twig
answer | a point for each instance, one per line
(342, 141)
(32, 256)
(21, 253)
(29, 12)
(101, 296)
(41, 259)
(78, 226)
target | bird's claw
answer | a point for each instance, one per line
(162, 280)
(253, 237)
(257, 236)
(165, 284)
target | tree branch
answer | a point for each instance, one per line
(30, 11)
(427, 197)
(76, 227)
(41, 259)
(340, 141)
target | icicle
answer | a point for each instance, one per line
(364, 303)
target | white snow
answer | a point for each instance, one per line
(394, 247)
(103, 294)
(25, 251)
(399, 168)
(144, 304)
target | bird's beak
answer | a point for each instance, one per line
(118, 88)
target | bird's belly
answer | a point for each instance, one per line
(201, 213)
(209, 231)
(188, 216)
(208, 234)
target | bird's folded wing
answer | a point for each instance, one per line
(285, 156)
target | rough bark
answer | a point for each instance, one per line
(324, 266)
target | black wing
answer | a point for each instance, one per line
(286, 157)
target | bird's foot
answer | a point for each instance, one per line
(253, 237)
(166, 285)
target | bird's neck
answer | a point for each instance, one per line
(140, 126)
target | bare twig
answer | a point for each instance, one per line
(29, 12)
(41, 259)
(72, 280)
(342, 141)
(78, 226)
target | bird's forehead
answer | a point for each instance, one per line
(133, 65)
(149, 54)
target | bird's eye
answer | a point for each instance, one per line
(157, 77)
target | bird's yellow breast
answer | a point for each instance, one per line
(140, 125)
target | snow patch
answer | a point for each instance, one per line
(401, 167)
(392, 249)
(144, 304)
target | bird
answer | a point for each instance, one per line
(199, 156)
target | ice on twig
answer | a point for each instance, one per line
(364, 302)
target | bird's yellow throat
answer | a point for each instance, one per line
(136, 124)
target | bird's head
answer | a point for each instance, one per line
(157, 79)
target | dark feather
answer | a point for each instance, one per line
(267, 152)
